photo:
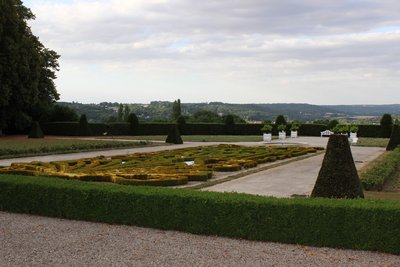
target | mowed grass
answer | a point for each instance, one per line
(197, 138)
(372, 142)
(22, 146)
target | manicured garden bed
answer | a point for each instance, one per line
(165, 168)
(352, 224)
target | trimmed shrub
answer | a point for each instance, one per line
(394, 138)
(84, 129)
(338, 177)
(386, 125)
(332, 124)
(280, 119)
(181, 121)
(174, 137)
(36, 131)
(133, 123)
(381, 171)
(351, 224)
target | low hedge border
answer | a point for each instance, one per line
(381, 171)
(352, 224)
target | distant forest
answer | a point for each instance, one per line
(161, 111)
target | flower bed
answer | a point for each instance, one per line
(165, 168)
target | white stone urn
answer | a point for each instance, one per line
(282, 135)
(267, 137)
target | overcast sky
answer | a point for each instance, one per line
(234, 51)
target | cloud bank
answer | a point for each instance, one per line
(323, 52)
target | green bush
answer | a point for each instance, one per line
(36, 131)
(352, 224)
(84, 128)
(381, 171)
(386, 125)
(394, 138)
(174, 137)
(133, 124)
(267, 128)
(338, 177)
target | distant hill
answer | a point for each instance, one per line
(161, 110)
(367, 110)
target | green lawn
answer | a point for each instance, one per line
(20, 147)
(375, 142)
(198, 138)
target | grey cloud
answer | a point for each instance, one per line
(300, 35)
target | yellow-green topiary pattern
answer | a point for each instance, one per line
(164, 168)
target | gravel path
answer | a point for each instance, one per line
(28, 240)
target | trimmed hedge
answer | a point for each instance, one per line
(353, 224)
(338, 177)
(381, 171)
(72, 128)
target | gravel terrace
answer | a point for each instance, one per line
(28, 240)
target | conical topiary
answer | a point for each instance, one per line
(338, 177)
(36, 131)
(174, 137)
(133, 124)
(394, 138)
(84, 128)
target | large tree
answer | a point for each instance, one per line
(27, 68)
(176, 109)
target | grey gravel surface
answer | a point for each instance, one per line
(28, 240)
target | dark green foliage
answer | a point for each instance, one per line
(332, 124)
(84, 128)
(386, 125)
(229, 120)
(68, 128)
(133, 123)
(341, 128)
(381, 171)
(394, 138)
(27, 68)
(121, 112)
(181, 122)
(280, 120)
(338, 177)
(36, 131)
(176, 109)
(174, 137)
(353, 224)
(63, 113)
(127, 111)
(205, 116)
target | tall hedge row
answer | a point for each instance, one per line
(353, 224)
(72, 128)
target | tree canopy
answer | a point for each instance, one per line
(280, 120)
(176, 109)
(27, 68)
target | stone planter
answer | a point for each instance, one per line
(282, 135)
(267, 137)
(353, 138)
